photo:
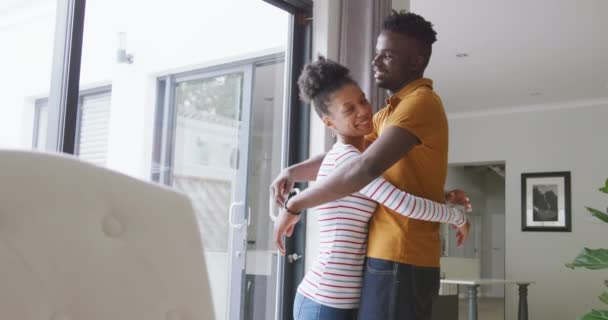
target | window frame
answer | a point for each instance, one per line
(297, 135)
(39, 104)
(65, 76)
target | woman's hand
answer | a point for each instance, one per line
(458, 197)
(280, 187)
(284, 225)
(462, 234)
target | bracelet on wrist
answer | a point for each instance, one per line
(287, 209)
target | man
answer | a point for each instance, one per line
(410, 147)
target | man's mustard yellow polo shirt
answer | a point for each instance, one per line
(421, 172)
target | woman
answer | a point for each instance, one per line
(332, 288)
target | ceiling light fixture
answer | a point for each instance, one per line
(462, 55)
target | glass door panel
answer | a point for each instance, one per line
(211, 135)
(223, 145)
(265, 159)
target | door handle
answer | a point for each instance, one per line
(293, 257)
(248, 216)
(231, 215)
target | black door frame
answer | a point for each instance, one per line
(65, 77)
(291, 273)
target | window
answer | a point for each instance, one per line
(93, 125)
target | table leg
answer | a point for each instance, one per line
(472, 301)
(523, 302)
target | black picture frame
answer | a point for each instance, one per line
(546, 201)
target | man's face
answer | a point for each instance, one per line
(398, 60)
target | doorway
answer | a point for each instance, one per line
(483, 254)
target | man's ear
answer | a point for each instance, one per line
(419, 63)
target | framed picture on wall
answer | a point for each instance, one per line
(545, 201)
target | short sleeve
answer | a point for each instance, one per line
(421, 114)
(346, 155)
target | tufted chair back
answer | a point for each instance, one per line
(82, 242)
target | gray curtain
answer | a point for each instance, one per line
(360, 24)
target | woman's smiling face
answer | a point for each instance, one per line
(350, 114)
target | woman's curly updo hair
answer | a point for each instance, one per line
(319, 80)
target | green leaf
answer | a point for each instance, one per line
(590, 259)
(595, 315)
(604, 189)
(606, 283)
(604, 297)
(598, 214)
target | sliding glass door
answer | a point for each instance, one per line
(222, 145)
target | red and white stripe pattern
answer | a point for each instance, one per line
(335, 278)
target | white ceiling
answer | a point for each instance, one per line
(522, 53)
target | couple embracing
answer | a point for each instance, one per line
(379, 191)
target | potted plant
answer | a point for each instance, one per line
(594, 259)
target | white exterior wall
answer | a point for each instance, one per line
(166, 37)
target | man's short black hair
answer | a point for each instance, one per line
(412, 25)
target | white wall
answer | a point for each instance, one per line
(401, 5)
(26, 35)
(170, 37)
(553, 139)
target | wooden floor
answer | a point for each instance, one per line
(488, 309)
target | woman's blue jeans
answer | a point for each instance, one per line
(306, 309)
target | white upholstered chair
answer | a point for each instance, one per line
(82, 242)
